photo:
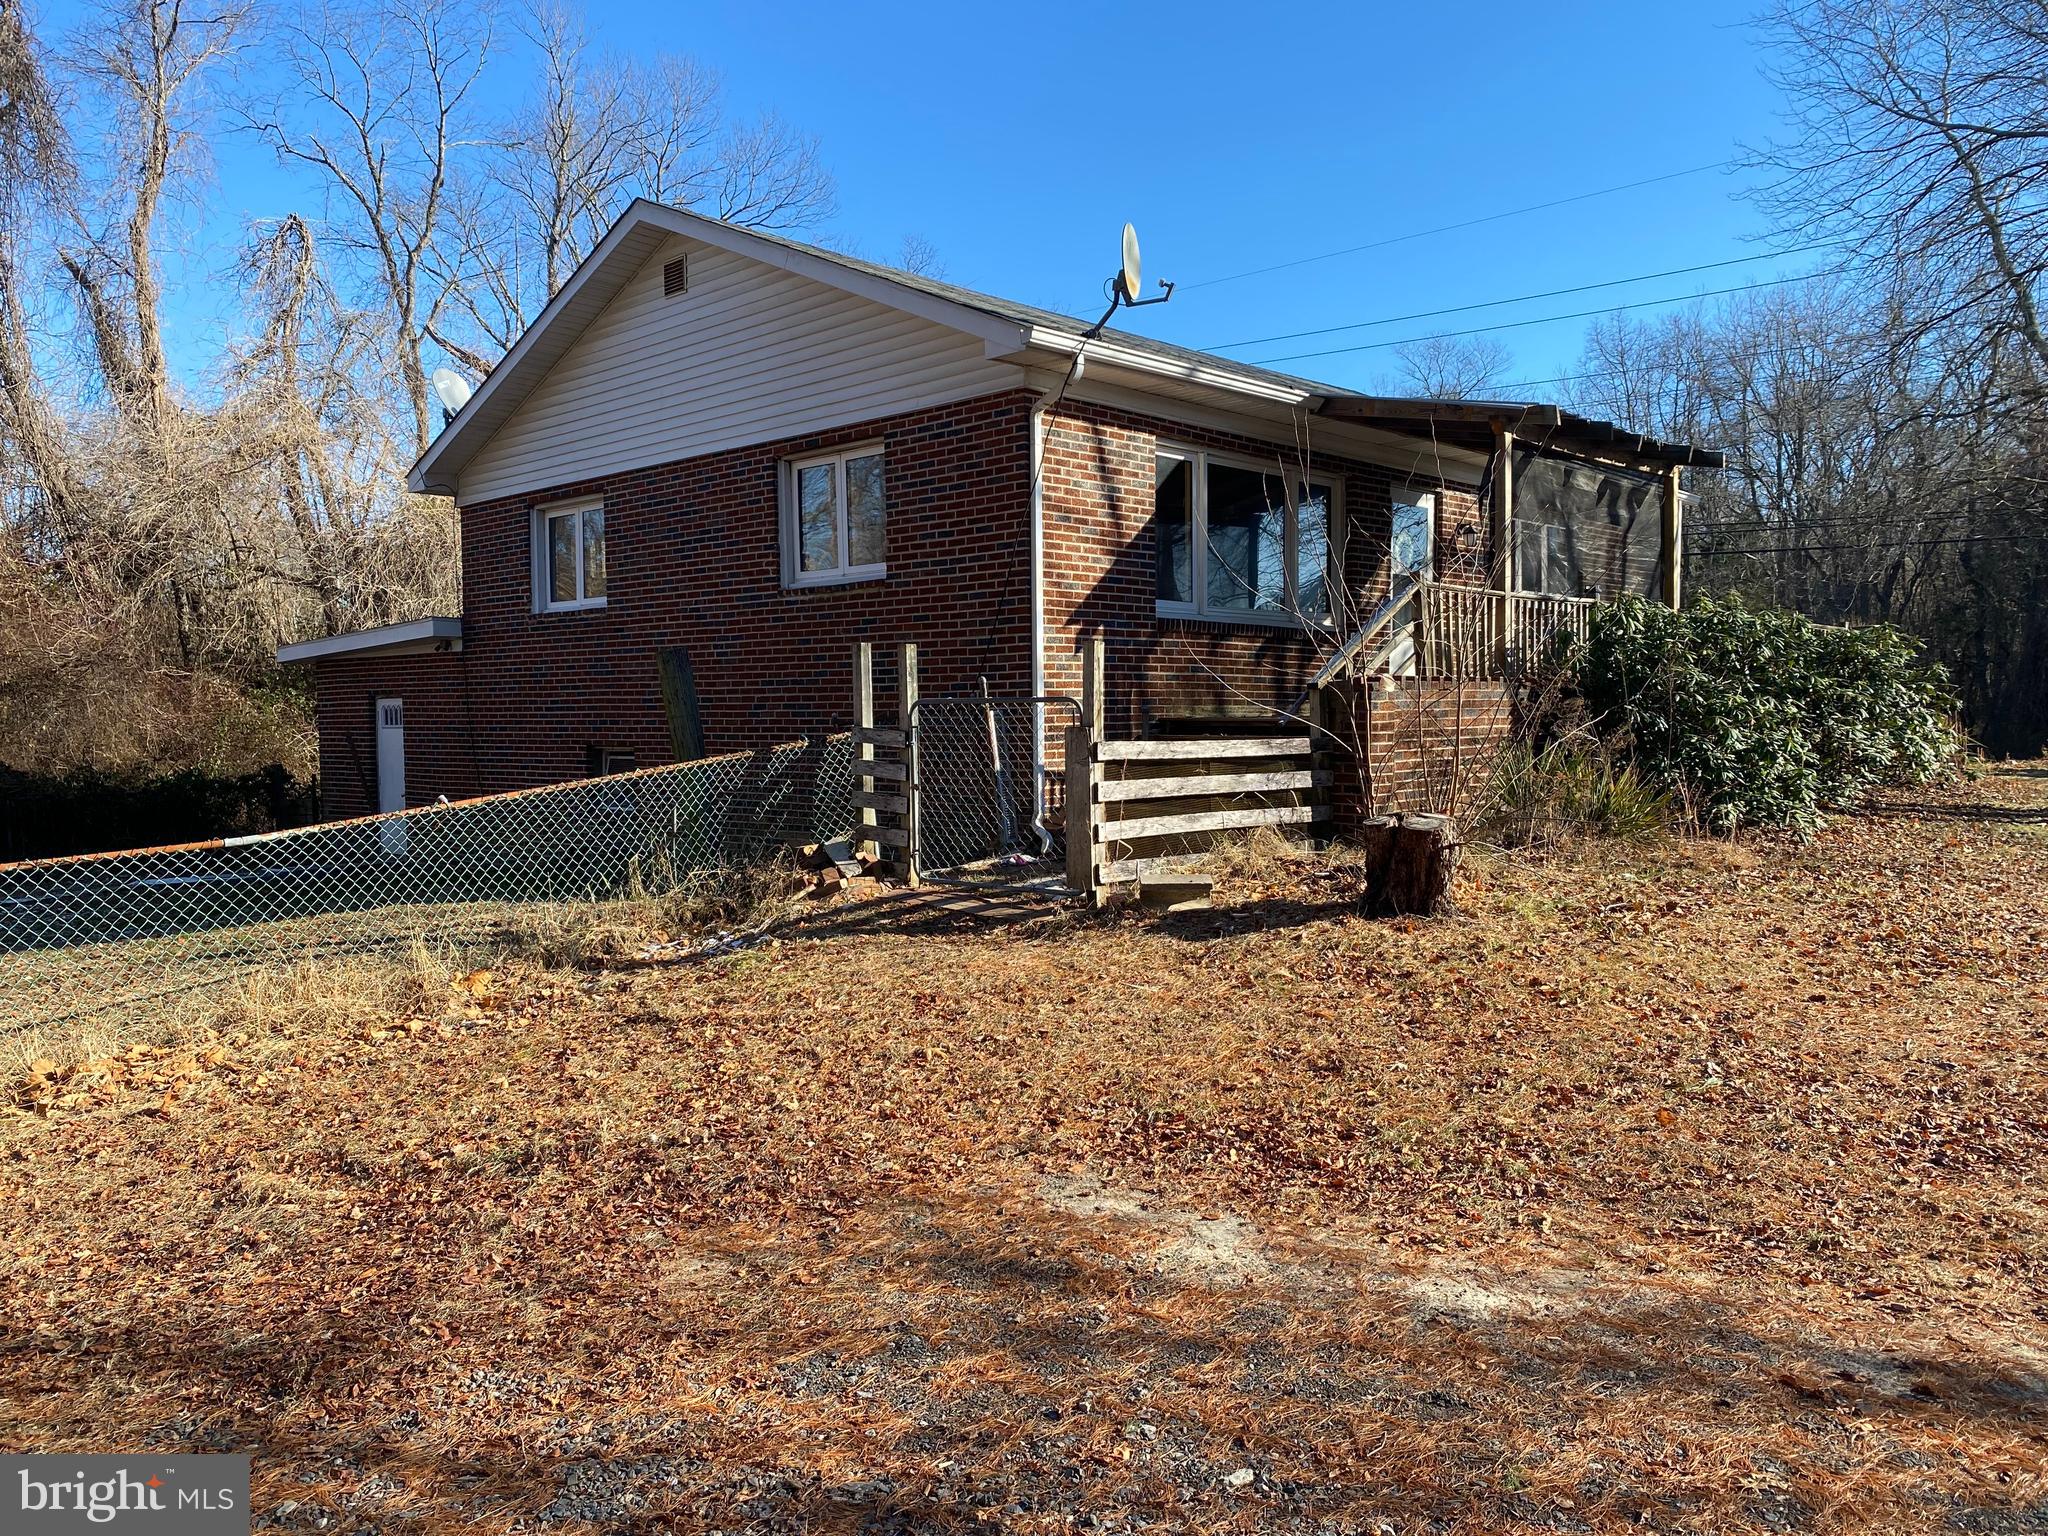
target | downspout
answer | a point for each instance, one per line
(1039, 768)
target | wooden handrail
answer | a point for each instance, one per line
(1451, 615)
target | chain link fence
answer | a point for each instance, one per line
(984, 813)
(86, 935)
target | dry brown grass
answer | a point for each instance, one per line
(1690, 1187)
(742, 900)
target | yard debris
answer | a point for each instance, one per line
(1229, 1223)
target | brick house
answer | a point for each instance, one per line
(749, 453)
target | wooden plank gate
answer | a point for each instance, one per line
(1138, 809)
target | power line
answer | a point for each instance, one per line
(1445, 229)
(1513, 325)
(1526, 298)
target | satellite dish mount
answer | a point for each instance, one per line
(1125, 283)
(453, 391)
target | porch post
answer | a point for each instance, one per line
(1674, 533)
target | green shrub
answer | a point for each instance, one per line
(1760, 718)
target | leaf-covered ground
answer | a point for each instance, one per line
(1687, 1188)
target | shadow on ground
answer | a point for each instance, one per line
(938, 1365)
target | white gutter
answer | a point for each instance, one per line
(433, 636)
(1213, 373)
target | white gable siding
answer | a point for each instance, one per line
(749, 354)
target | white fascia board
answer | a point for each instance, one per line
(415, 636)
(866, 285)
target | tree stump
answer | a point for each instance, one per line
(1409, 864)
(1376, 844)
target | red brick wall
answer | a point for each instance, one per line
(693, 553)
(1430, 744)
(1100, 570)
(694, 560)
(439, 756)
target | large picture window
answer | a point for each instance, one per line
(833, 518)
(1233, 544)
(569, 557)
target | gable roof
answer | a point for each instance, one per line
(1007, 329)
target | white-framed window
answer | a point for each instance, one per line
(569, 555)
(834, 517)
(1234, 544)
(1412, 541)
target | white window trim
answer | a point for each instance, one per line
(1198, 537)
(793, 573)
(1409, 496)
(538, 542)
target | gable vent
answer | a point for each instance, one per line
(675, 277)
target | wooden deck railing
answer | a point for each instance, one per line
(1473, 632)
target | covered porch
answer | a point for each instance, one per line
(1573, 512)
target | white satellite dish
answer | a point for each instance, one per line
(1128, 274)
(452, 387)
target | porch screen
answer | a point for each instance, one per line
(1584, 530)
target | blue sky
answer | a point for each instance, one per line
(1018, 140)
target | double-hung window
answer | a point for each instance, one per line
(568, 555)
(833, 516)
(1237, 542)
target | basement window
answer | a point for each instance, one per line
(834, 516)
(569, 556)
(1233, 544)
(605, 760)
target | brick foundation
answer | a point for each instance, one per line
(1429, 743)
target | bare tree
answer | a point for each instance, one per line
(1919, 137)
(377, 102)
(145, 59)
(597, 132)
(35, 169)
(920, 257)
(1452, 367)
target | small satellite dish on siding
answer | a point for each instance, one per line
(453, 390)
(1128, 276)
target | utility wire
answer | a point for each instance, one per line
(1525, 298)
(1513, 325)
(1445, 229)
